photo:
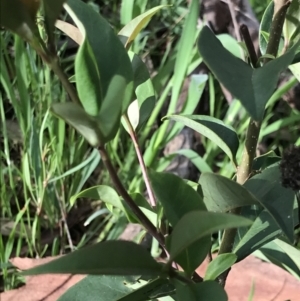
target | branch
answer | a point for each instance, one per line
(127, 198)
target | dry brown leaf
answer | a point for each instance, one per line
(70, 30)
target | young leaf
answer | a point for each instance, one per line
(105, 258)
(129, 32)
(197, 224)
(279, 201)
(100, 288)
(221, 134)
(85, 124)
(222, 194)
(205, 291)
(253, 87)
(19, 17)
(219, 265)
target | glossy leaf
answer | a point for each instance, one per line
(253, 87)
(52, 10)
(130, 31)
(219, 265)
(279, 201)
(214, 129)
(80, 120)
(222, 194)
(105, 258)
(100, 288)
(205, 291)
(197, 224)
(19, 17)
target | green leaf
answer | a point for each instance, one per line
(110, 55)
(177, 199)
(253, 87)
(154, 289)
(265, 160)
(97, 288)
(19, 17)
(214, 129)
(263, 230)
(279, 201)
(219, 265)
(265, 27)
(102, 193)
(105, 258)
(291, 27)
(144, 92)
(222, 194)
(197, 224)
(205, 291)
(110, 115)
(88, 78)
(175, 195)
(283, 255)
(85, 124)
(52, 10)
(295, 68)
(130, 31)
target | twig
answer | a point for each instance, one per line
(141, 161)
(127, 198)
(56, 68)
(249, 44)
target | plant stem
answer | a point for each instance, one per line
(56, 68)
(127, 198)
(245, 168)
(134, 139)
(280, 9)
